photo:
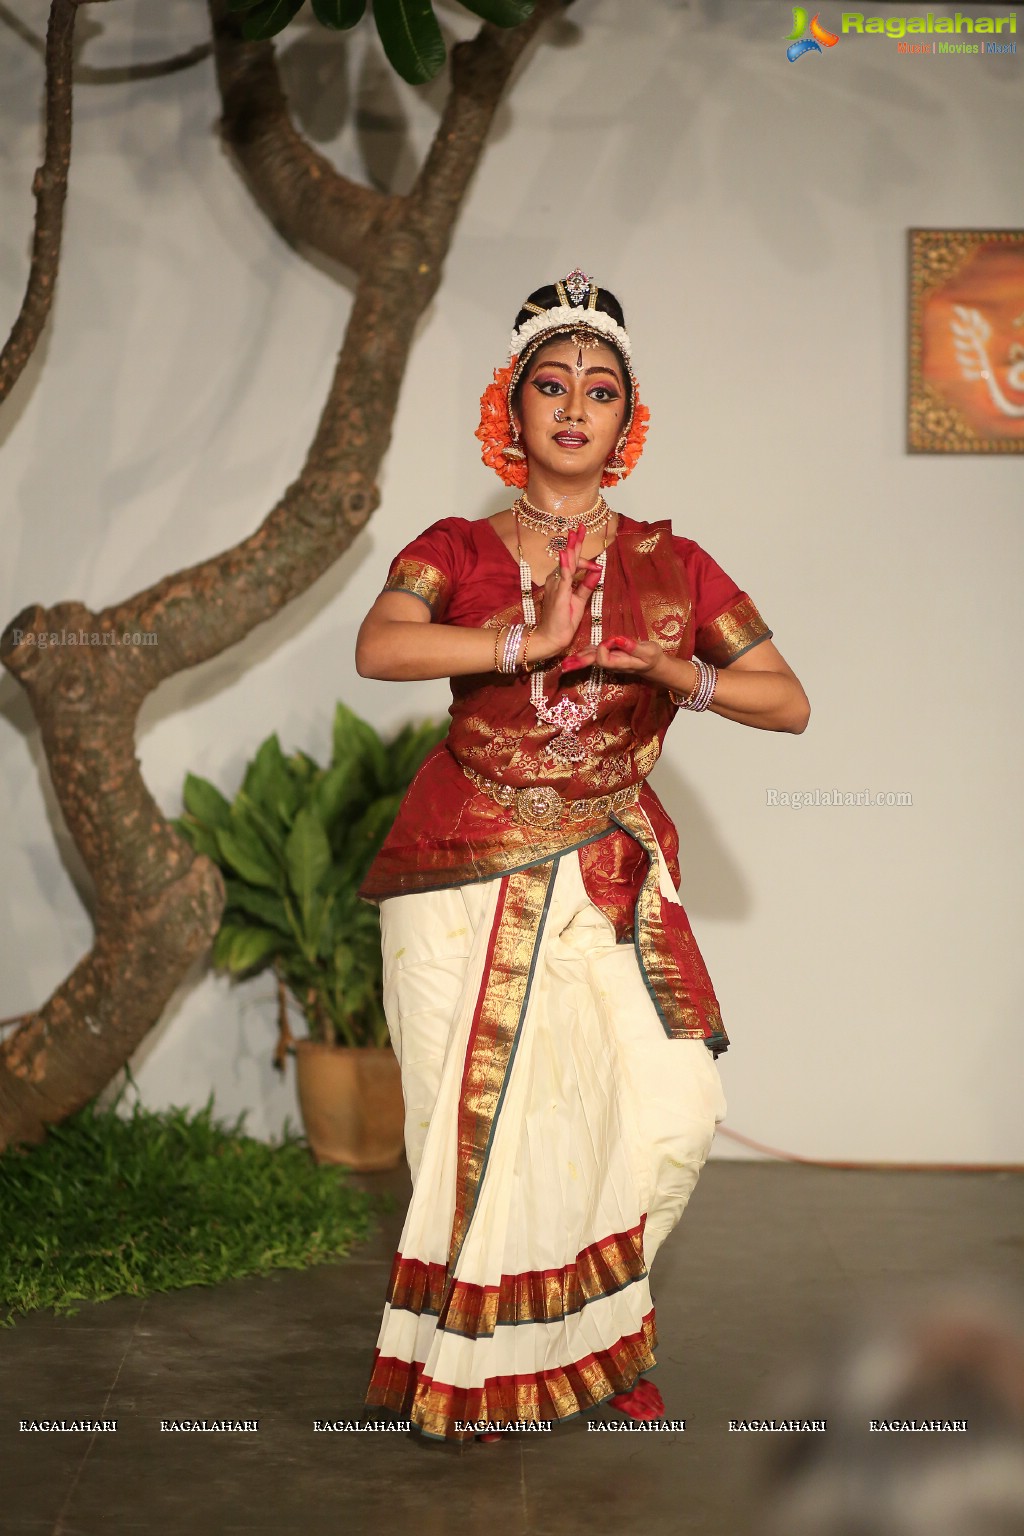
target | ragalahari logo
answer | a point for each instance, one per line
(799, 44)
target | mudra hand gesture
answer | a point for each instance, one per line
(619, 653)
(567, 593)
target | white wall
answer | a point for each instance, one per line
(752, 216)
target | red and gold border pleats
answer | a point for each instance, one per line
(497, 1025)
(534, 1296)
(732, 633)
(672, 965)
(557, 1393)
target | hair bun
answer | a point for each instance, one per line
(548, 297)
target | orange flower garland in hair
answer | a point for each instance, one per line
(495, 429)
(495, 433)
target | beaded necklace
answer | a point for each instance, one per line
(558, 526)
(568, 715)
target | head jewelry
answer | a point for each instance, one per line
(576, 314)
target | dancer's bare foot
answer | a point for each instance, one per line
(643, 1402)
(488, 1437)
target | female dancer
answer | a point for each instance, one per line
(555, 1024)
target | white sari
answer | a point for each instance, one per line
(554, 1133)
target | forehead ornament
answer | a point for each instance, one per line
(584, 322)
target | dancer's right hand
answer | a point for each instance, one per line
(567, 594)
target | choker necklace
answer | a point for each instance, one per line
(524, 511)
(568, 716)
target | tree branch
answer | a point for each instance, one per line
(306, 198)
(149, 69)
(480, 69)
(49, 185)
(335, 493)
(110, 74)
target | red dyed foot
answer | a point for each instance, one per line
(643, 1402)
(489, 1437)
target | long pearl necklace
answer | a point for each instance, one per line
(568, 715)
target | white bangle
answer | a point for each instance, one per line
(703, 690)
(510, 655)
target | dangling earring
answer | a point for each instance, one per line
(512, 450)
(616, 465)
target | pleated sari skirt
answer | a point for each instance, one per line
(554, 1134)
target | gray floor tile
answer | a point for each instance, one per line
(767, 1261)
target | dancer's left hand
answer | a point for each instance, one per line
(619, 653)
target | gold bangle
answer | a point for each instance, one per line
(497, 638)
(683, 699)
(527, 637)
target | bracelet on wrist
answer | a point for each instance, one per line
(703, 690)
(497, 639)
(511, 651)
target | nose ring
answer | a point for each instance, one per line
(559, 414)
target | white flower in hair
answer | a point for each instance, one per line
(574, 315)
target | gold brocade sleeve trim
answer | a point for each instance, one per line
(732, 633)
(421, 580)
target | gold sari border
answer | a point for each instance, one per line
(561, 1392)
(733, 632)
(494, 1036)
(490, 864)
(687, 1011)
(532, 1296)
(420, 580)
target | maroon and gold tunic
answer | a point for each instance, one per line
(449, 831)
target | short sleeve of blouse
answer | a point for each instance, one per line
(429, 567)
(726, 621)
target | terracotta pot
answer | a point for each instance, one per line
(352, 1105)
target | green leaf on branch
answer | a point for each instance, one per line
(265, 905)
(270, 783)
(246, 949)
(269, 17)
(245, 813)
(335, 791)
(339, 15)
(411, 37)
(202, 839)
(247, 856)
(308, 855)
(205, 802)
(356, 741)
(503, 13)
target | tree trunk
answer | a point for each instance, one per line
(157, 903)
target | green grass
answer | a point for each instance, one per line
(124, 1206)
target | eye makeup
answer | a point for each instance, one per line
(609, 389)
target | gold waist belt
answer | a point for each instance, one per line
(540, 805)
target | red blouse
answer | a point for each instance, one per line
(448, 831)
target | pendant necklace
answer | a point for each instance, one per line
(568, 715)
(558, 526)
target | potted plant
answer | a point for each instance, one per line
(294, 846)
